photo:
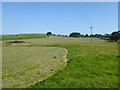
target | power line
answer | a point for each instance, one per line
(85, 13)
(85, 16)
(80, 12)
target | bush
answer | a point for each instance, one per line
(49, 33)
(75, 34)
(115, 36)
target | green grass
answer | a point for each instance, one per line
(24, 66)
(23, 36)
(89, 66)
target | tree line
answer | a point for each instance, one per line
(114, 36)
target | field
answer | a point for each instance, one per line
(89, 65)
(22, 36)
(23, 66)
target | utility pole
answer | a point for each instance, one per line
(91, 33)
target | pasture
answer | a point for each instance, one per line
(89, 65)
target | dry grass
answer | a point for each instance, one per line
(24, 66)
(65, 40)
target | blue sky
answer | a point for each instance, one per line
(59, 17)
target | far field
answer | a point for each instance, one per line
(89, 65)
(22, 36)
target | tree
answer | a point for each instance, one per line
(98, 35)
(75, 34)
(92, 35)
(115, 36)
(49, 33)
(106, 36)
(86, 35)
(82, 35)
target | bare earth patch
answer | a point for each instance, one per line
(15, 43)
(25, 66)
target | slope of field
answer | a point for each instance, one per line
(24, 66)
(65, 40)
(89, 66)
(23, 36)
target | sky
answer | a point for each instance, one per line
(59, 17)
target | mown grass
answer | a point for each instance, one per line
(23, 36)
(24, 66)
(89, 66)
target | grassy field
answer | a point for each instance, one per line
(65, 40)
(24, 66)
(88, 66)
(23, 36)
